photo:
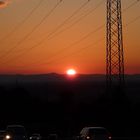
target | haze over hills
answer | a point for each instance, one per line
(85, 84)
(61, 77)
(52, 77)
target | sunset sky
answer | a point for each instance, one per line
(45, 36)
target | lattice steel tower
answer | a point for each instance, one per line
(114, 45)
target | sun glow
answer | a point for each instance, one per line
(71, 72)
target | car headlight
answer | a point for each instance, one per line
(87, 137)
(8, 137)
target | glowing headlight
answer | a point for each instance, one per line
(88, 137)
(8, 137)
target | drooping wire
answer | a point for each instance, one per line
(69, 18)
(65, 21)
(22, 22)
(85, 14)
(82, 49)
(66, 48)
(131, 5)
(65, 56)
(132, 21)
(45, 38)
(76, 21)
(32, 31)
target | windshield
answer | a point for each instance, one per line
(97, 132)
(16, 130)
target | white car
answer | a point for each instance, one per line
(15, 132)
(52, 137)
(35, 136)
(94, 133)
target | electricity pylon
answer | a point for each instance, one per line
(114, 45)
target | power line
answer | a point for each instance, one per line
(33, 30)
(80, 50)
(129, 23)
(131, 5)
(134, 20)
(80, 40)
(60, 26)
(89, 12)
(73, 14)
(75, 22)
(73, 53)
(66, 48)
(67, 20)
(91, 45)
(44, 39)
(83, 15)
(23, 21)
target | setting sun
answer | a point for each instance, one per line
(71, 72)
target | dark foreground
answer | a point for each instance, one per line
(65, 106)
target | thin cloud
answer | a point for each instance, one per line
(4, 3)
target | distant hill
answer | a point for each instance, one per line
(55, 84)
(53, 77)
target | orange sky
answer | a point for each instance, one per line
(25, 50)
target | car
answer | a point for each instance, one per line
(35, 136)
(94, 133)
(52, 137)
(15, 132)
(2, 134)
